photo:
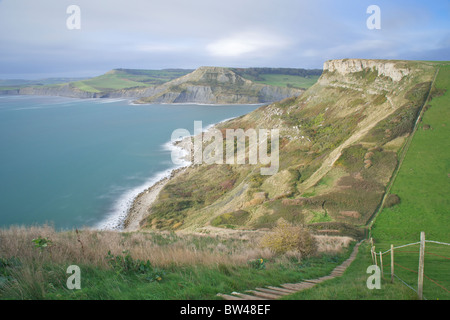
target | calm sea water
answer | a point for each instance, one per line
(79, 163)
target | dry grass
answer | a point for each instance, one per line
(161, 248)
(332, 245)
(41, 272)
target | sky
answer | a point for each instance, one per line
(36, 42)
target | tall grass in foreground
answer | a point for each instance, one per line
(188, 266)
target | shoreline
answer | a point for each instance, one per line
(138, 210)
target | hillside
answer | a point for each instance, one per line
(217, 86)
(282, 77)
(210, 85)
(113, 84)
(340, 143)
(338, 150)
(417, 201)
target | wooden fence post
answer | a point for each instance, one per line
(381, 265)
(421, 265)
(392, 263)
(371, 253)
(375, 255)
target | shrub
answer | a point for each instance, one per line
(392, 200)
(287, 237)
(42, 243)
(257, 264)
(236, 218)
(126, 264)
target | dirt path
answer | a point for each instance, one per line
(273, 293)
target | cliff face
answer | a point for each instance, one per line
(391, 69)
(209, 85)
(214, 85)
(67, 90)
(337, 151)
(63, 91)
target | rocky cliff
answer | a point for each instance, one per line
(214, 85)
(209, 85)
(392, 69)
(65, 90)
(337, 151)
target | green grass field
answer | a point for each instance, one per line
(190, 282)
(352, 285)
(423, 182)
(282, 80)
(108, 81)
(119, 79)
(423, 185)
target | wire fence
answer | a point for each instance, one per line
(394, 253)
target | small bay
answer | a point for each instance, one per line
(78, 162)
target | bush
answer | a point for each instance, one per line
(127, 265)
(391, 200)
(236, 218)
(287, 237)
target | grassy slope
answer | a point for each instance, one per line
(281, 80)
(128, 78)
(113, 80)
(395, 224)
(185, 266)
(312, 125)
(352, 285)
(423, 185)
(281, 77)
(14, 84)
(118, 79)
(192, 282)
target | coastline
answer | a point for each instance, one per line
(138, 210)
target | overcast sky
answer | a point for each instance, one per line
(154, 34)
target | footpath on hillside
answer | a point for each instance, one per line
(273, 293)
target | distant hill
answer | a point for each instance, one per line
(9, 84)
(119, 79)
(218, 85)
(260, 85)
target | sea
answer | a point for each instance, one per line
(79, 163)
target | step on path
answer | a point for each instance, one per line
(273, 293)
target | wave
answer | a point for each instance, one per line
(119, 211)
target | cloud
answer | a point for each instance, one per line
(190, 33)
(159, 48)
(254, 43)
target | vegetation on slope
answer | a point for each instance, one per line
(282, 77)
(218, 85)
(359, 120)
(423, 183)
(118, 79)
(338, 150)
(156, 265)
(418, 202)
